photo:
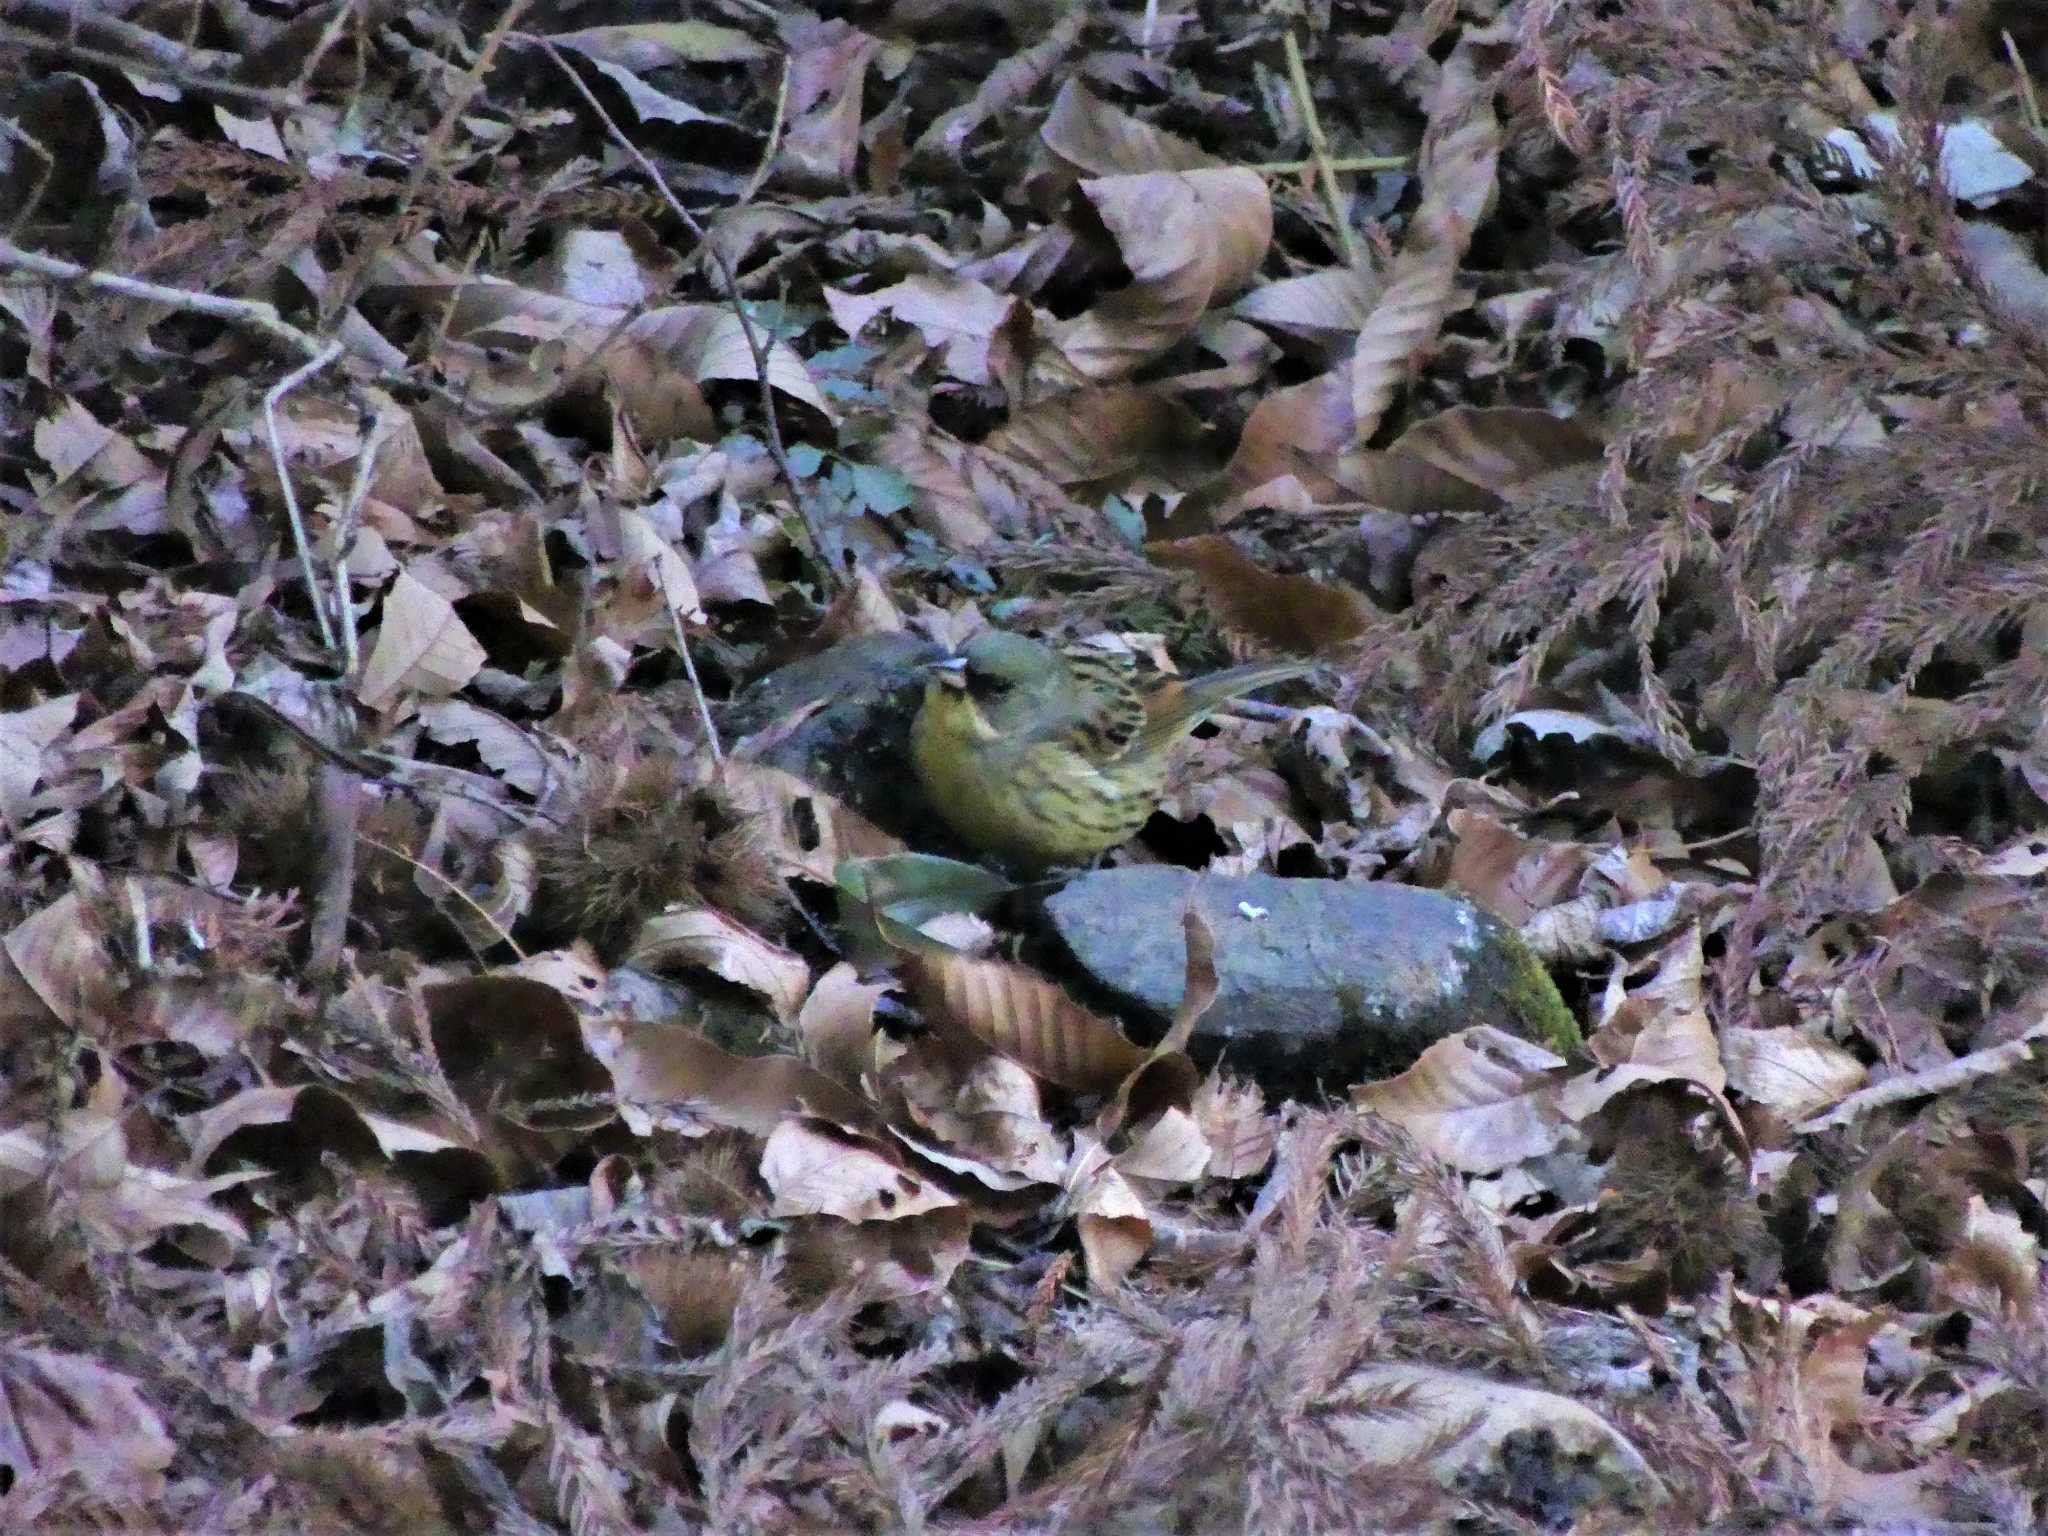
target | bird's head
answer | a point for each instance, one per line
(996, 662)
(994, 677)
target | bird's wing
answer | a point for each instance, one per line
(1175, 708)
(1104, 712)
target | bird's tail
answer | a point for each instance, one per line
(1193, 701)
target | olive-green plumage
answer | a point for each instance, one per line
(1051, 756)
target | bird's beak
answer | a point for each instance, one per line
(950, 671)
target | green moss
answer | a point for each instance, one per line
(1539, 1008)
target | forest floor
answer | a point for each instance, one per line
(484, 1051)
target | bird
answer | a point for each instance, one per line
(1049, 756)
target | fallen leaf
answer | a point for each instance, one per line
(422, 648)
(1482, 1100)
(706, 938)
(815, 1168)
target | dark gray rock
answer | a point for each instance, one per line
(1331, 983)
(856, 745)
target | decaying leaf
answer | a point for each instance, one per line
(706, 938)
(814, 1168)
(1294, 613)
(678, 1079)
(1481, 1100)
(422, 648)
(62, 1413)
(1026, 1018)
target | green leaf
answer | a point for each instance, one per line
(805, 460)
(882, 900)
(883, 491)
(1126, 519)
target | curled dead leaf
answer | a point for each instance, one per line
(815, 1168)
(1293, 613)
(1481, 1100)
(706, 938)
(1025, 1017)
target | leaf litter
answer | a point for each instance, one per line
(449, 1082)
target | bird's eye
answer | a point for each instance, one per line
(986, 685)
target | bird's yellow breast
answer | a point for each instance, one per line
(1044, 803)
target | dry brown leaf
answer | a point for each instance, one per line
(422, 648)
(1198, 992)
(733, 546)
(678, 1080)
(959, 320)
(1460, 149)
(87, 1175)
(907, 1257)
(65, 1414)
(480, 881)
(1498, 449)
(828, 72)
(1251, 805)
(1326, 306)
(59, 958)
(1014, 79)
(982, 1108)
(1026, 1018)
(1098, 140)
(1240, 1133)
(816, 1168)
(1789, 1070)
(1391, 480)
(1172, 1149)
(512, 754)
(941, 471)
(1482, 1100)
(655, 364)
(658, 570)
(1190, 239)
(655, 44)
(1676, 1041)
(1293, 613)
(1113, 434)
(1829, 1404)
(1912, 1085)
(837, 1024)
(1308, 424)
(1460, 1424)
(706, 938)
(513, 1050)
(26, 736)
(1511, 875)
(864, 608)
(806, 831)
(1109, 1217)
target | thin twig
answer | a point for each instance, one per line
(271, 398)
(28, 203)
(345, 534)
(1334, 162)
(252, 313)
(696, 688)
(1319, 151)
(2028, 98)
(354, 277)
(326, 40)
(729, 279)
(759, 179)
(153, 56)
